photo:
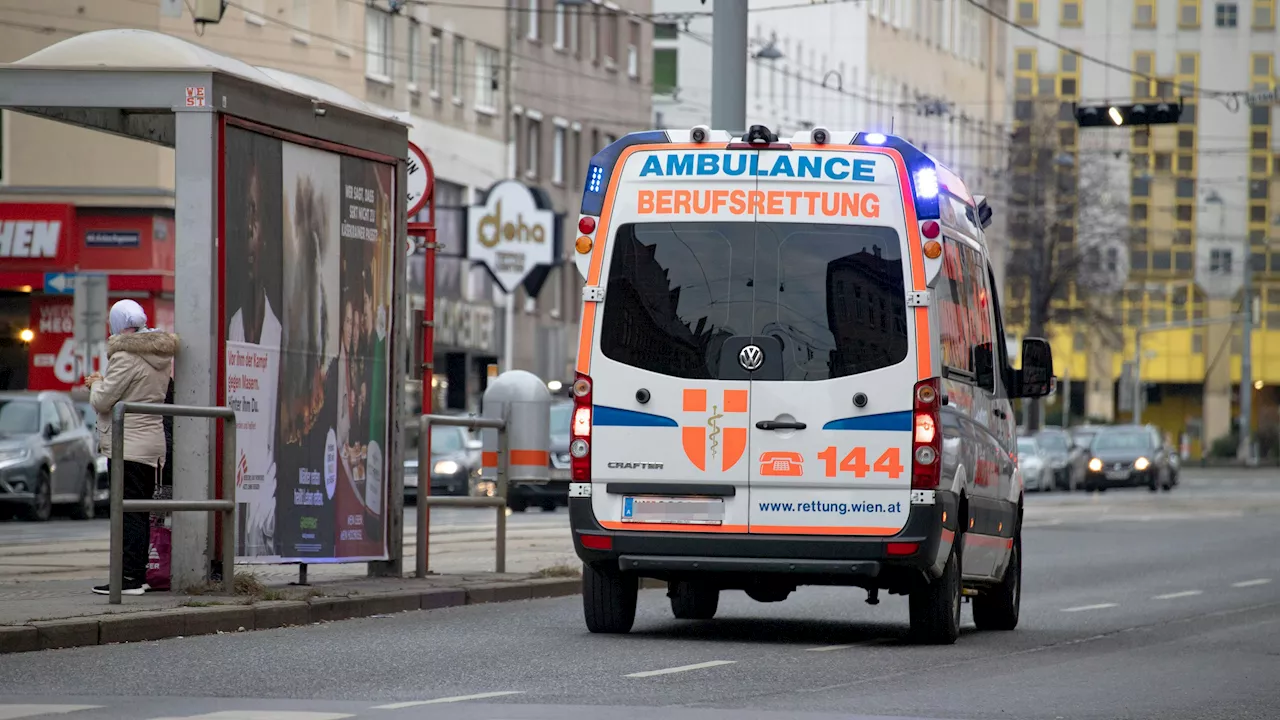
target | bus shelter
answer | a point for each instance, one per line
(289, 286)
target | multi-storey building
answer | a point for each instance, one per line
(1198, 206)
(932, 71)
(490, 93)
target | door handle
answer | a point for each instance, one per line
(776, 425)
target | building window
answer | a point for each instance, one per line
(666, 71)
(415, 53)
(533, 147)
(665, 31)
(302, 13)
(533, 15)
(593, 35)
(488, 74)
(557, 157)
(1144, 13)
(1182, 236)
(377, 43)
(1188, 13)
(1224, 15)
(572, 30)
(633, 50)
(1186, 187)
(1026, 61)
(1068, 61)
(1264, 14)
(1068, 87)
(561, 22)
(1028, 12)
(458, 55)
(1184, 213)
(434, 60)
(1220, 261)
(1071, 13)
(610, 39)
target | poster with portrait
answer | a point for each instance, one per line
(308, 294)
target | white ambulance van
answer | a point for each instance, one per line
(792, 371)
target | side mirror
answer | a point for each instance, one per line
(1035, 377)
(49, 431)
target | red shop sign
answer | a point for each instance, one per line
(37, 236)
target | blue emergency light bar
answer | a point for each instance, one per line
(922, 172)
(603, 162)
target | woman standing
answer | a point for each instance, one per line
(139, 365)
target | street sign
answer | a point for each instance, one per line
(510, 234)
(421, 179)
(89, 312)
(56, 283)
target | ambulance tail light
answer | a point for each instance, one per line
(926, 436)
(580, 430)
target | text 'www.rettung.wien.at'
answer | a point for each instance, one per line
(833, 508)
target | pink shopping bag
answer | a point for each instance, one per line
(158, 560)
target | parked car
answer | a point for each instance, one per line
(47, 456)
(1082, 436)
(1037, 471)
(455, 463)
(1069, 461)
(555, 492)
(1129, 456)
(103, 496)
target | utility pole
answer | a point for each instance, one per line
(729, 66)
(1245, 451)
(513, 162)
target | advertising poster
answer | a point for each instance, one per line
(308, 295)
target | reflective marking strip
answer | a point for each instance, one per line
(580, 490)
(1175, 595)
(682, 668)
(489, 459)
(536, 458)
(1251, 583)
(437, 701)
(923, 497)
(1082, 608)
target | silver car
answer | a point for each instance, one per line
(1037, 470)
(47, 456)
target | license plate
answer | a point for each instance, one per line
(1117, 474)
(673, 510)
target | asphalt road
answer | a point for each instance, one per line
(1136, 606)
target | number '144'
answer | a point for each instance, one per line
(855, 461)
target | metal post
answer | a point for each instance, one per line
(509, 330)
(229, 515)
(1066, 394)
(424, 489)
(1245, 451)
(116, 579)
(729, 66)
(504, 475)
(1137, 376)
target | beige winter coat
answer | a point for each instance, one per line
(138, 369)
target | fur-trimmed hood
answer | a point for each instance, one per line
(155, 347)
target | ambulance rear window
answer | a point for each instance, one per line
(833, 295)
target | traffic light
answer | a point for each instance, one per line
(1155, 113)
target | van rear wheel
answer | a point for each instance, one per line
(998, 608)
(609, 599)
(693, 601)
(935, 607)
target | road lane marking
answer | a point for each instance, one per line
(264, 715)
(454, 699)
(14, 712)
(682, 668)
(1082, 608)
(1176, 595)
(1251, 583)
(830, 648)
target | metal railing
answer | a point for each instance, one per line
(426, 501)
(226, 506)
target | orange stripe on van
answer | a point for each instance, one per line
(820, 530)
(695, 400)
(672, 527)
(735, 401)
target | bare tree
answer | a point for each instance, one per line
(1068, 227)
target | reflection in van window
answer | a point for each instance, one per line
(833, 295)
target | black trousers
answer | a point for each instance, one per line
(139, 484)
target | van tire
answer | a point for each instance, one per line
(609, 599)
(935, 606)
(998, 607)
(693, 601)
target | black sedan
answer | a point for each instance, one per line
(1129, 456)
(455, 463)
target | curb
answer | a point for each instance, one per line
(152, 625)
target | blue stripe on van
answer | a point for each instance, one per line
(617, 417)
(882, 421)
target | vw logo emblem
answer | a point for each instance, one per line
(751, 358)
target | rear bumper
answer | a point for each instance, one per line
(740, 559)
